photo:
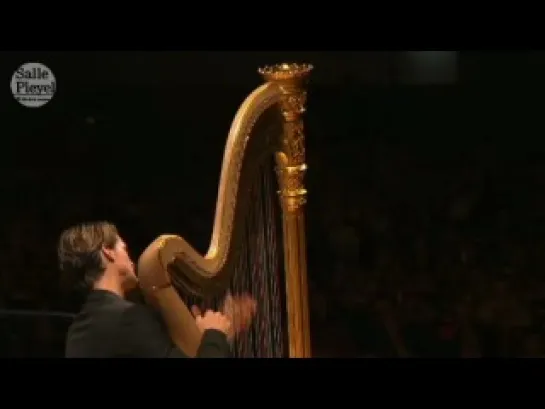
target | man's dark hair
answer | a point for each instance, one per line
(79, 250)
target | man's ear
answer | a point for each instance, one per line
(108, 253)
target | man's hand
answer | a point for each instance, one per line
(240, 309)
(212, 320)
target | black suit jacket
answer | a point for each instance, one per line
(110, 327)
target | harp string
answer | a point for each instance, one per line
(259, 272)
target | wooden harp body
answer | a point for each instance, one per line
(268, 124)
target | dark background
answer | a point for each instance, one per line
(426, 187)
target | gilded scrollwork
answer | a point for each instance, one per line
(293, 103)
(291, 165)
(294, 142)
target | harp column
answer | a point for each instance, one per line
(291, 167)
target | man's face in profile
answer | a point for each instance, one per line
(124, 264)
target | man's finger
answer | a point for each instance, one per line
(249, 302)
(250, 305)
(196, 311)
(227, 305)
(228, 299)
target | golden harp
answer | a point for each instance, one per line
(267, 128)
